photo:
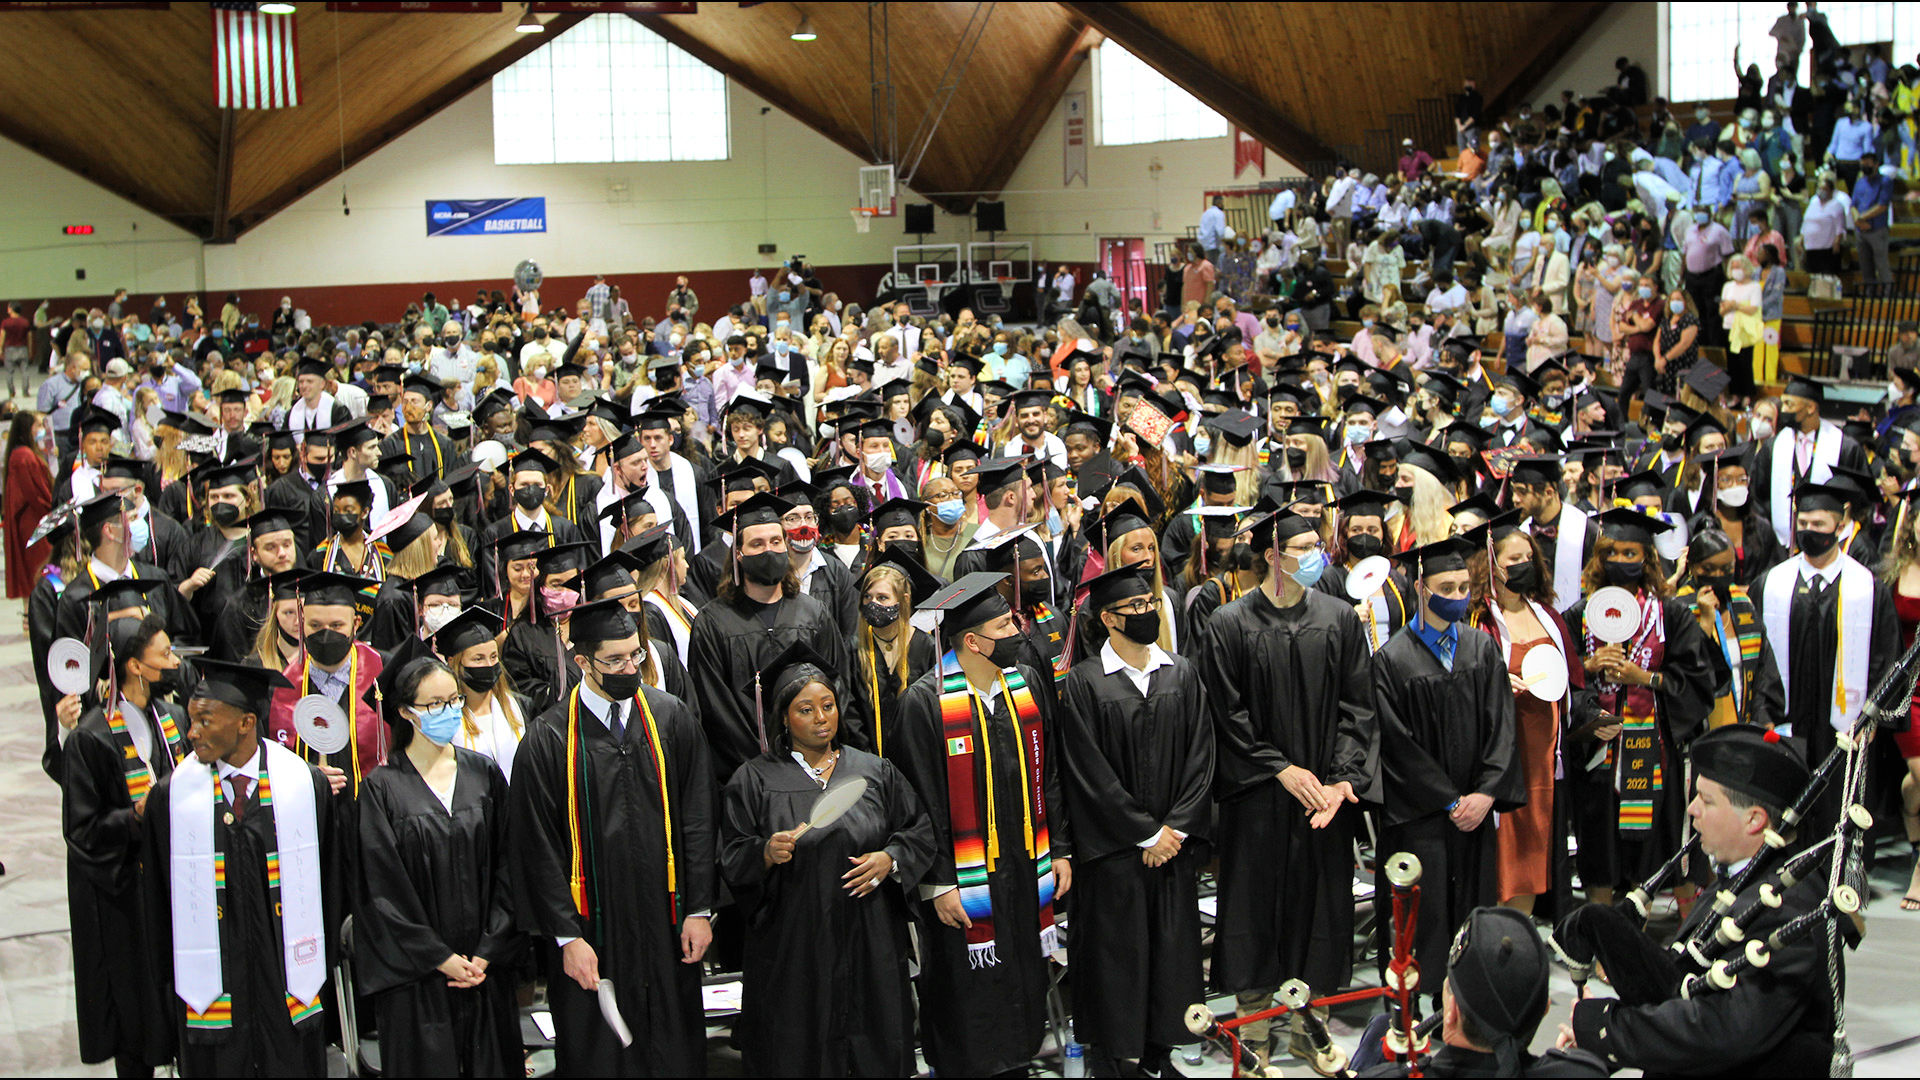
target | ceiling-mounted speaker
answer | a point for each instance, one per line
(919, 217)
(990, 216)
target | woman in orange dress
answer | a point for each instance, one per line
(1531, 841)
(29, 495)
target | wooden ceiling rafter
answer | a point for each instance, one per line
(1537, 58)
(998, 168)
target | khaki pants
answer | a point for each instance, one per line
(760, 304)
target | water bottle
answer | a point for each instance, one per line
(1075, 1058)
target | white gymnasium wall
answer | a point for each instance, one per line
(1631, 30)
(130, 248)
(617, 218)
(1122, 196)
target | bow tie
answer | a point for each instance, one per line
(1547, 532)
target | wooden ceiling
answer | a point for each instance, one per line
(124, 97)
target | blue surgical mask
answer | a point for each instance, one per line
(1448, 608)
(439, 724)
(1312, 565)
(1054, 524)
(139, 532)
(1356, 434)
(950, 510)
(1501, 406)
(1645, 293)
(1679, 307)
(1201, 444)
(1000, 348)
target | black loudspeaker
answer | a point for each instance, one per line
(990, 216)
(919, 217)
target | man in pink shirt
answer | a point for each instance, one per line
(1413, 163)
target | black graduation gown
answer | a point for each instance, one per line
(245, 612)
(169, 546)
(71, 613)
(1695, 672)
(920, 659)
(1133, 763)
(263, 1040)
(1445, 734)
(433, 454)
(1447, 1060)
(486, 557)
(534, 660)
(432, 884)
(393, 614)
(826, 982)
(42, 613)
(833, 584)
(229, 577)
(978, 1021)
(1287, 686)
(631, 922)
(307, 505)
(731, 643)
(118, 1007)
(1810, 658)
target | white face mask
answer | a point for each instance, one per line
(1733, 496)
(439, 615)
(878, 461)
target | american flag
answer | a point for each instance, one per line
(256, 60)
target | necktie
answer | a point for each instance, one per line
(615, 724)
(242, 791)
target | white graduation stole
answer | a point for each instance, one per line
(1826, 454)
(1854, 641)
(1569, 552)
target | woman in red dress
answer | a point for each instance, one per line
(29, 495)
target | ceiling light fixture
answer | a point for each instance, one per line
(804, 32)
(276, 9)
(529, 24)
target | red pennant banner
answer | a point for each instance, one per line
(1247, 150)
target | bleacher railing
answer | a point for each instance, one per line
(1866, 326)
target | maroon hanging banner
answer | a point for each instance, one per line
(1075, 135)
(1247, 150)
(590, 7)
(415, 7)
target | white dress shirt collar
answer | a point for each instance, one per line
(1110, 662)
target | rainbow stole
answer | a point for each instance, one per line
(1637, 757)
(1750, 632)
(139, 777)
(219, 1014)
(976, 841)
(1047, 634)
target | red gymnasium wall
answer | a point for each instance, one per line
(645, 293)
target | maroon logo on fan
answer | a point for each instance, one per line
(1614, 613)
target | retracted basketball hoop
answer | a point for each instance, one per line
(863, 217)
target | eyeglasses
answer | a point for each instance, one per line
(613, 665)
(1299, 551)
(430, 706)
(1139, 605)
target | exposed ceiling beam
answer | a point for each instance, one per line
(1194, 75)
(1032, 115)
(222, 228)
(361, 148)
(667, 28)
(1519, 75)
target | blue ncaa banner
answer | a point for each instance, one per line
(485, 217)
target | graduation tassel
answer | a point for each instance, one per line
(759, 713)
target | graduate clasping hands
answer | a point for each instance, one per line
(1305, 787)
(1163, 849)
(1333, 795)
(463, 973)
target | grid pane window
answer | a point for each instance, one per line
(1701, 38)
(609, 90)
(1137, 105)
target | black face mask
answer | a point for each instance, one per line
(1141, 629)
(539, 333)
(909, 548)
(1626, 575)
(318, 472)
(329, 647)
(225, 515)
(164, 684)
(1523, 578)
(935, 438)
(1815, 543)
(345, 524)
(880, 616)
(482, 677)
(1296, 458)
(1721, 585)
(1005, 651)
(1669, 441)
(842, 521)
(767, 568)
(451, 342)
(620, 686)
(441, 515)
(530, 497)
(1365, 546)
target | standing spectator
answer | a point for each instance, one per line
(1413, 163)
(1340, 205)
(432, 311)
(1679, 342)
(1852, 141)
(757, 292)
(1827, 217)
(452, 361)
(1704, 255)
(1872, 207)
(1213, 227)
(1773, 298)
(29, 495)
(1063, 289)
(1197, 278)
(230, 317)
(1466, 113)
(1739, 312)
(61, 392)
(619, 312)
(599, 298)
(16, 349)
(1635, 321)
(1790, 33)
(1752, 194)
(1630, 87)
(683, 298)
(282, 325)
(1704, 130)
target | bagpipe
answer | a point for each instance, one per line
(1407, 1035)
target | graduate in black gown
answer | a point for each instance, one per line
(42, 612)
(112, 761)
(1285, 667)
(890, 652)
(826, 988)
(979, 746)
(758, 612)
(612, 579)
(534, 651)
(1137, 747)
(1660, 684)
(614, 856)
(256, 1008)
(529, 476)
(302, 494)
(435, 907)
(272, 548)
(1447, 746)
(103, 529)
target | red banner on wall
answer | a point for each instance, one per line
(1247, 150)
(1075, 148)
